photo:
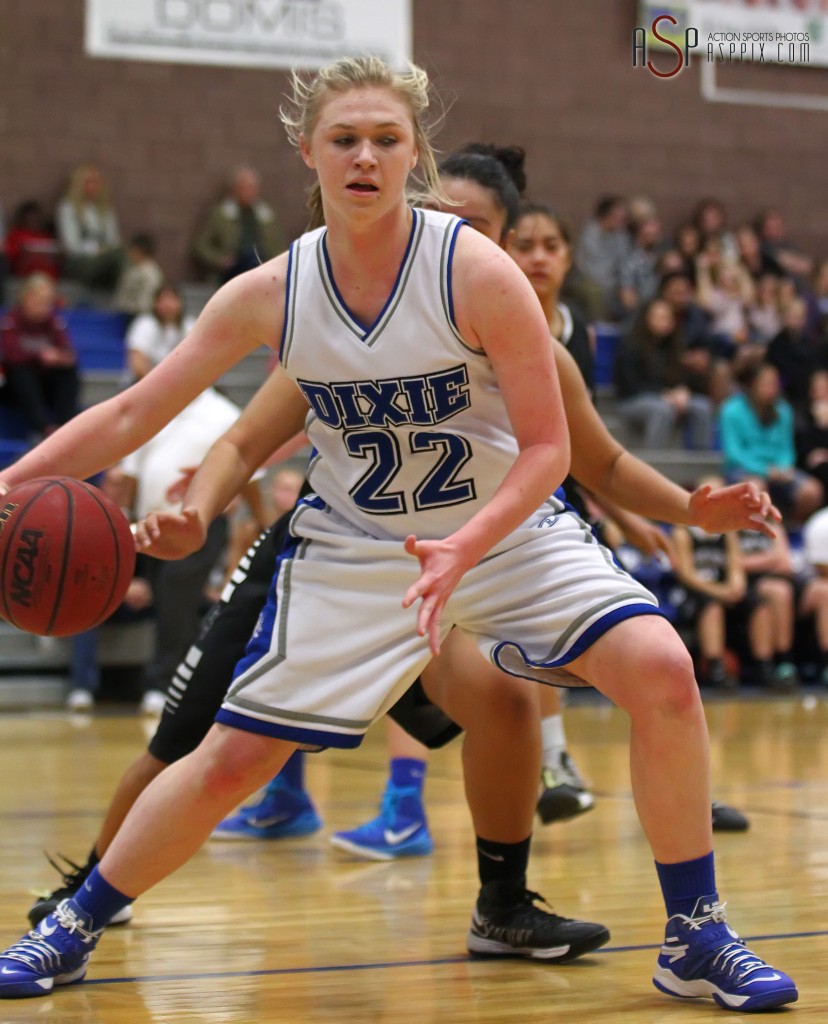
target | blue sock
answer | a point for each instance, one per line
(684, 883)
(99, 900)
(293, 773)
(408, 773)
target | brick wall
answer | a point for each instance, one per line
(554, 77)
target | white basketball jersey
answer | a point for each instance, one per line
(409, 429)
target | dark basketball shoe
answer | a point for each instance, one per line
(565, 794)
(728, 819)
(72, 881)
(506, 923)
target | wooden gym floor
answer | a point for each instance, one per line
(295, 931)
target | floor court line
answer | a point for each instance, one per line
(602, 794)
(392, 965)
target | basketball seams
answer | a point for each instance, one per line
(67, 548)
(116, 547)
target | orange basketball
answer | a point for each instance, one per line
(67, 556)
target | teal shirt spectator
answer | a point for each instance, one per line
(752, 447)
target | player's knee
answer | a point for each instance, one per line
(672, 690)
(511, 703)
(232, 764)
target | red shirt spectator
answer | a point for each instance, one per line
(38, 357)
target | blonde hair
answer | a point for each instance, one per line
(300, 114)
(75, 192)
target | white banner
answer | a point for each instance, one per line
(249, 33)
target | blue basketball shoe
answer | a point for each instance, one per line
(55, 953)
(282, 813)
(702, 956)
(401, 830)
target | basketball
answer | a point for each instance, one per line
(67, 556)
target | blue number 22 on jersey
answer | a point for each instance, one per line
(438, 488)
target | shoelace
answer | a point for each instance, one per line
(735, 959)
(529, 898)
(717, 915)
(72, 879)
(35, 951)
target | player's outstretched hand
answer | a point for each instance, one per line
(442, 565)
(743, 506)
(170, 535)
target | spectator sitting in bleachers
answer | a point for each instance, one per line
(765, 313)
(141, 279)
(710, 220)
(812, 432)
(688, 245)
(154, 335)
(770, 227)
(31, 246)
(752, 256)
(796, 354)
(88, 231)
(240, 232)
(602, 249)
(757, 436)
(677, 290)
(654, 384)
(38, 358)
(639, 272)
(725, 291)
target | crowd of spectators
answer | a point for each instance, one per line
(721, 347)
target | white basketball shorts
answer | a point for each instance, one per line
(334, 649)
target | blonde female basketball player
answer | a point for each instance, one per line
(424, 359)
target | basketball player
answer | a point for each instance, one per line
(468, 354)
(482, 191)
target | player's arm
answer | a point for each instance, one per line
(498, 313)
(274, 415)
(776, 559)
(243, 315)
(736, 581)
(617, 476)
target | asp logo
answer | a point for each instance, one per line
(680, 43)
